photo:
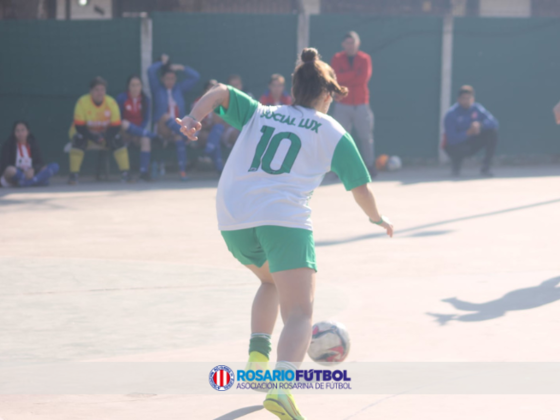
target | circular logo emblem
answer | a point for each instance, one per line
(221, 378)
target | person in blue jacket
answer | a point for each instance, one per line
(469, 127)
(169, 103)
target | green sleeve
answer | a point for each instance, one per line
(348, 164)
(241, 108)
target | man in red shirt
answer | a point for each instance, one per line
(353, 70)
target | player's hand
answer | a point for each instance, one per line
(474, 129)
(388, 228)
(385, 224)
(164, 59)
(189, 127)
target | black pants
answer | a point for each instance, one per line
(485, 140)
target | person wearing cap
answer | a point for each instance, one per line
(353, 70)
(469, 128)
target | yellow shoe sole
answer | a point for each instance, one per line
(276, 408)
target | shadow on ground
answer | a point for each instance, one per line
(240, 412)
(516, 300)
(408, 176)
(435, 224)
(59, 186)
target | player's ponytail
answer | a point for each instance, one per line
(312, 77)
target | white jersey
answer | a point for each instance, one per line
(280, 157)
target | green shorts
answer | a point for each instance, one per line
(284, 248)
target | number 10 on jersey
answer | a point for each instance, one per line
(267, 148)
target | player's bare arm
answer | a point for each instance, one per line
(218, 96)
(365, 199)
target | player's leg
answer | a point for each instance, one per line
(265, 305)
(142, 138)
(120, 153)
(487, 140)
(364, 122)
(181, 146)
(11, 176)
(169, 130)
(29, 173)
(76, 156)
(264, 313)
(145, 155)
(457, 153)
(42, 178)
(291, 255)
(295, 290)
(245, 247)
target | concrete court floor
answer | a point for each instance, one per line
(126, 273)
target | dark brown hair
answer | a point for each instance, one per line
(96, 81)
(143, 96)
(26, 125)
(466, 89)
(277, 78)
(312, 77)
(352, 34)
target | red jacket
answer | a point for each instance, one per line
(355, 77)
(267, 99)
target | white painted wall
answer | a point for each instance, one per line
(505, 8)
(85, 12)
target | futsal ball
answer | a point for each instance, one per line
(393, 163)
(330, 343)
(381, 161)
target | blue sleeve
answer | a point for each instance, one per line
(451, 130)
(121, 99)
(153, 78)
(487, 120)
(146, 112)
(192, 77)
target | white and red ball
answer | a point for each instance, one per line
(330, 343)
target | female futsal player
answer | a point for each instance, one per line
(281, 156)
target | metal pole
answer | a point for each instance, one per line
(446, 78)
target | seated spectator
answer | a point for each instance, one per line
(210, 135)
(231, 133)
(97, 120)
(169, 103)
(275, 95)
(21, 163)
(236, 81)
(229, 138)
(134, 105)
(469, 127)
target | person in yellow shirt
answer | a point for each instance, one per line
(97, 119)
